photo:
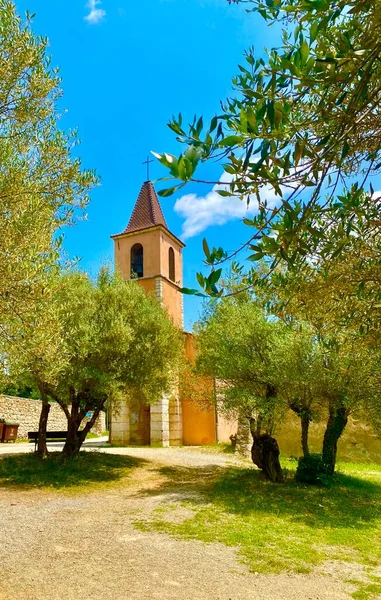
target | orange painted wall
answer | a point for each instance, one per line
(199, 424)
(148, 285)
(190, 346)
(150, 240)
(156, 244)
(172, 300)
(199, 421)
(166, 243)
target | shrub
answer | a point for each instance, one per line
(312, 470)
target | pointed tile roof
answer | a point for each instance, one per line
(147, 211)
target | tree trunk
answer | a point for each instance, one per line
(265, 455)
(42, 449)
(305, 419)
(337, 421)
(305, 422)
(75, 438)
(73, 442)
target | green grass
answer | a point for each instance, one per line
(288, 527)
(94, 436)
(87, 471)
(367, 591)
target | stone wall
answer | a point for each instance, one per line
(358, 443)
(26, 412)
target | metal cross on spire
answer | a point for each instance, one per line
(147, 162)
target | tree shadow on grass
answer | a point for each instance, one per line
(57, 471)
(350, 501)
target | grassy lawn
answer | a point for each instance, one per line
(85, 472)
(289, 527)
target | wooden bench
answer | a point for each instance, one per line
(58, 436)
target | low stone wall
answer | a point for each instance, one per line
(26, 412)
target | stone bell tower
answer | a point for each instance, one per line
(149, 253)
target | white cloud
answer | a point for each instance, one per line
(96, 14)
(202, 212)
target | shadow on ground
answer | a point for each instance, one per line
(350, 501)
(57, 471)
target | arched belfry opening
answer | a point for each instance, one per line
(137, 262)
(171, 262)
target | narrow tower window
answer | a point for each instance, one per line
(137, 260)
(171, 260)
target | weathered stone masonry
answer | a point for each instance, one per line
(26, 412)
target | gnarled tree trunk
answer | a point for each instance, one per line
(265, 454)
(73, 440)
(337, 421)
(76, 437)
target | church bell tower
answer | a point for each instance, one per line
(148, 252)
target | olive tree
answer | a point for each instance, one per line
(266, 365)
(42, 185)
(112, 342)
(235, 343)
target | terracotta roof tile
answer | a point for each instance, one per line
(147, 211)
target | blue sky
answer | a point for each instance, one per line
(127, 66)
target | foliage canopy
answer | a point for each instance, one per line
(42, 185)
(305, 122)
(112, 342)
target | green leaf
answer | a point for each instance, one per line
(271, 113)
(167, 192)
(313, 31)
(200, 279)
(304, 51)
(231, 140)
(214, 277)
(345, 151)
(230, 169)
(192, 292)
(243, 119)
(205, 247)
(213, 124)
(297, 152)
(324, 140)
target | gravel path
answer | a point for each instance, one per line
(86, 547)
